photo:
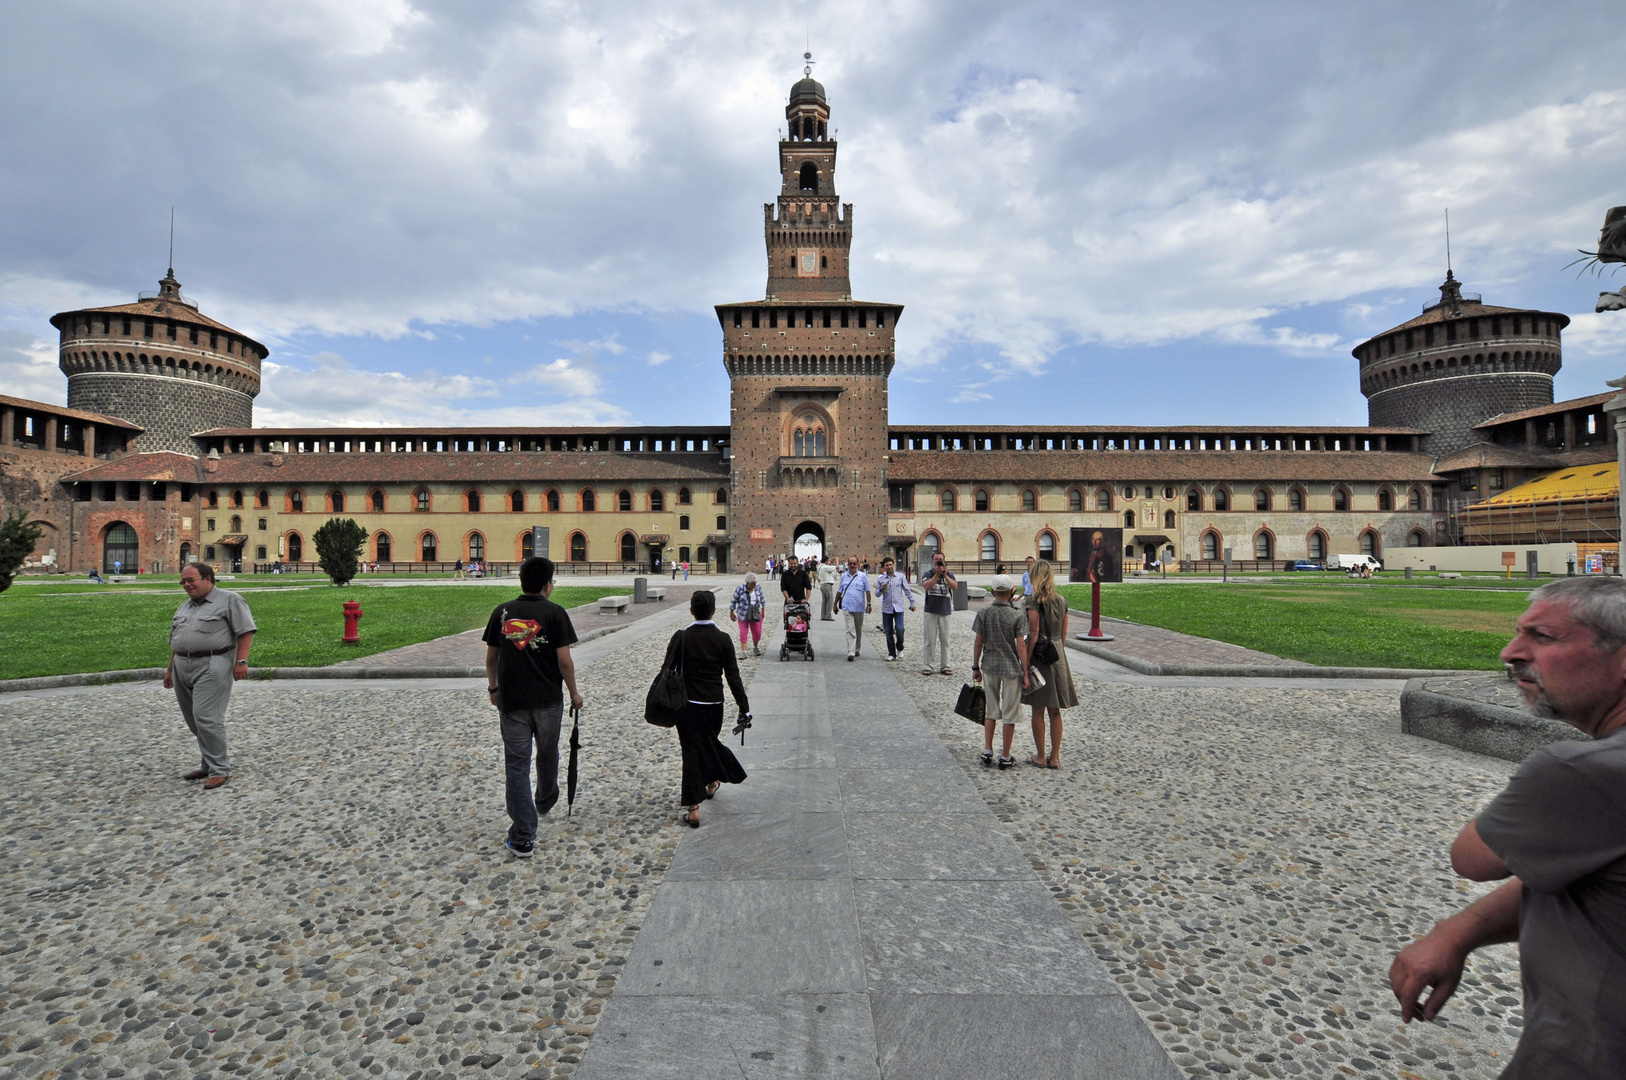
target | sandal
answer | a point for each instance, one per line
(692, 818)
(927, 671)
(711, 788)
(1035, 759)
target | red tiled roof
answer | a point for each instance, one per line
(1110, 430)
(409, 468)
(71, 414)
(1547, 410)
(1154, 466)
(165, 465)
(401, 432)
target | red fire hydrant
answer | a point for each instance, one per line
(352, 616)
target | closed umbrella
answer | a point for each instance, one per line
(575, 748)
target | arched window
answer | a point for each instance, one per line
(336, 500)
(473, 501)
(1030, 501)
(262, 499)
(684, 498)
(214, 499)
(381, 547)
(808, 437)
(1261, 498)
(721, 497)
(589, 502)
(623, 500)
(1103, 499)
(1168, 491)
(296, 502)
(296, 548)
(121, 548)
(1371, 545)
(1168, 519)
(553, 500)
(1210, 546)
(629, 547)
(809, 180)
(657, 500)
(1415, 500)
(945, 499)
(1075, 500)
(1129, 519)
(477, 547)
(980, 500)
(930, 545)
(578, 547)
(377, 498)
(1386, 499)
(236, 523)
(1340, 499)
(420, 499)
(237, 497)
(1194, 499)
(428, 547)
(516, 501)
(1416, 539)
(1129, 491)
(1222, 499)
(1316, 545)
(1295, 500)
(1047, 546)
(990, 547)
(1262, 546)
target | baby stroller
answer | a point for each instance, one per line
(796, 619)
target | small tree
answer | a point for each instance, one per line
(338, 548)
(17, 540)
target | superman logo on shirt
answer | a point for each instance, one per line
(521, 631)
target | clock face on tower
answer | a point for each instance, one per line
(807, 262)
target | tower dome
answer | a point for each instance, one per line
(808, 90)
(161, 364)
(1458, 364)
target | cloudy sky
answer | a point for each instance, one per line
(522, 212)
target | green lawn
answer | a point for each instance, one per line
(1342, 627)
(42, 634)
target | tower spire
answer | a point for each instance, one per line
(171, 240)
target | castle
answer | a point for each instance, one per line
(155, 461)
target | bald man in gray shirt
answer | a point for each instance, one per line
(209, 641)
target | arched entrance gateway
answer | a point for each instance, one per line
(809, 542)
(121, 549)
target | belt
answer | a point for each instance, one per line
(200, 655)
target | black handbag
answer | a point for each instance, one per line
(1044, 652)
(973, 704)
(668, 694)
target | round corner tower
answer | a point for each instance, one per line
(1458, 364)
(161, 364)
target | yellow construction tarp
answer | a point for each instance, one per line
(1600, 481)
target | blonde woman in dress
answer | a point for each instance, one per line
(1047, 617)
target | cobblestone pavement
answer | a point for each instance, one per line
(343, 907)
(1248, 860)
(466, 649)
(1159, 646)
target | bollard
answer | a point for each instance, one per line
(352, 616)
(962, 598)
(1408, 573)
(640, 590)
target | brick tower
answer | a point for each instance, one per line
(161, 364)
(808, 367)
(1458, 364)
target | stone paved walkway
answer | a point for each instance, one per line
(854, 910)
(1159, 646)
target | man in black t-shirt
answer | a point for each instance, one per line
(527, 661)
(1558, 830)
(794, 584)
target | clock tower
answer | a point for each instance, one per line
(808, 368)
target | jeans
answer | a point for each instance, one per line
(520, 728)
(892, 627)
(937, 634)
(855, 631)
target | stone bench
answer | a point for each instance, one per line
(976, 592)
(1449, 577)
(656, 592)
(616, 604)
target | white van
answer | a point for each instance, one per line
(1352, 563)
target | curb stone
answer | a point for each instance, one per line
(98, 678)
(1252, 671)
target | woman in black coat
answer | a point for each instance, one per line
(708, 658)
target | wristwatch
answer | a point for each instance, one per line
(243, 662)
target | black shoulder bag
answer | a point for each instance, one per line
(668, 694)
(1044, 650)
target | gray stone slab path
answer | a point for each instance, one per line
(854, 910)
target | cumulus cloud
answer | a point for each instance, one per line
(657, 358)
(564, 377)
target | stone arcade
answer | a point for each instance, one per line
(155, 460)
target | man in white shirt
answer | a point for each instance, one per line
(852, 593)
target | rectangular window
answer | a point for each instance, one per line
(902, 497)
(683, 523)
(262, 524)
(738, 318)
(861, 315)
(843, 318)
(880, 318)
(827, 318)
(756, 320)
(773, 319)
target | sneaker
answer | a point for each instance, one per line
(519, 851)
(987, 759)
(1007, 762)
(756, 650)
(849, 657)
